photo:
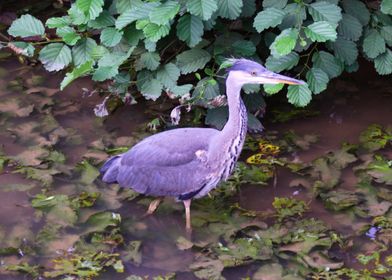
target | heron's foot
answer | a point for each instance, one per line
(187, 204)
(153, 206)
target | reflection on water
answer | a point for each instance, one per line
(346, 110)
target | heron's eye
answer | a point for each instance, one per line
(253, 73)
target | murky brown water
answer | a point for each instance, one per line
(349, 106)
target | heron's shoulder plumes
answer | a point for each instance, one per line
(241, 64)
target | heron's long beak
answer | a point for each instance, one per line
(270, 77)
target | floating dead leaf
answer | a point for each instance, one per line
(382, 193)
(381, 170)
(207, 268)
(45, 90)
(375, 137)
(304, 247)
(13, 107)
(273, 271)
(35, 80)
(45, 176)
(342, 157)
(95, 156)
(16, 187)
(302, 142)
(101, 220)
(58, 208)
(133, 253)
(88, 172)
(183, 243)
(340, 200)
(244, 250)
(300, 182)
(33, 156)
(27, 133)
(319, 260)
(379, 209)
(327, 175)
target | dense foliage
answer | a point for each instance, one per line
(177, 47)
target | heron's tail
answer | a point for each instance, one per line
(109, 170)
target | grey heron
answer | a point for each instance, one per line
(187, 163)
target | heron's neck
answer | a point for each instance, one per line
(237, 121)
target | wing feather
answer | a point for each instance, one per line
(166, 163)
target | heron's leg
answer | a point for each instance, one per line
(187, 204)
(153, 206)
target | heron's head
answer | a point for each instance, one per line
(246, 71)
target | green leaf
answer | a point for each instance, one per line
(272, 89)
(284, 43)
(206, 90)
(299, 95)
(373, 43)
(202, 8)
(149, 60)
(230, 9)
(182, 90)
(282, 63)
(98, 52)
(324, 11)
(154, 32)
(345, 50)
(105, 19)
(386, 7)
(192, 60)
(386, 33)
(55, 56)
(123, 5)
(83, 51)
(77, 16)
(105, 73)
(26, 26)
(249, 8)
(328, 63)
(24, 48)
(267, 18)
(168, 75)
(321, 31)
(151, 89)
(109, 63)
(317, 80)
(383, 63)
(279, 4)
(132, 35)
(68, 34)
(244, 48)
(76, 73)
(56, 22)
(357, 9)
(217, 117)
(91, 8)
(110, 36)
(350, 28)
(190, 29)
(164, 13)
(137, 12)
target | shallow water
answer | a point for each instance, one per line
(349, 106)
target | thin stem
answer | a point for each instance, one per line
(4, 37)
(48, 42)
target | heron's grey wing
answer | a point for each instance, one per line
(166, 163)
(169, 148)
